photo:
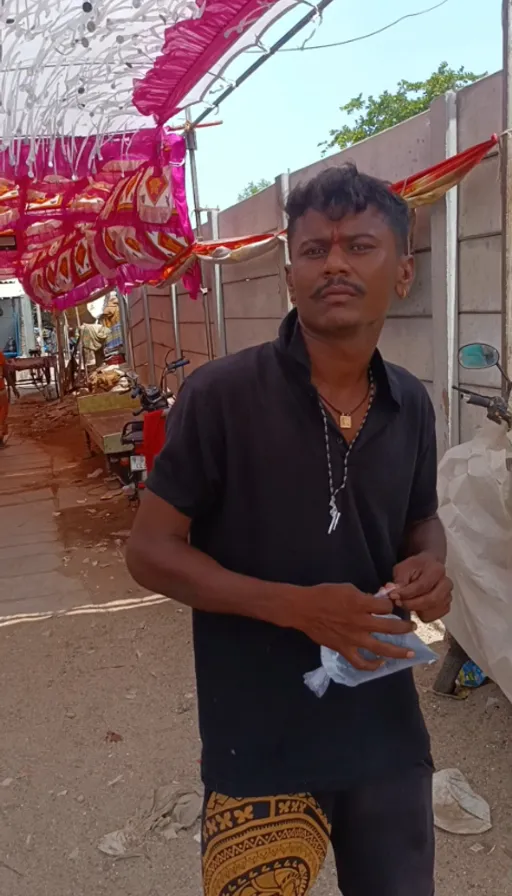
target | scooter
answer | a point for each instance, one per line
(475, 507)
(145, 438)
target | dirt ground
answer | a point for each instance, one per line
(98, 708)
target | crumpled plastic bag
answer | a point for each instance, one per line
(166, 810)
(457, 808)
(334, 666)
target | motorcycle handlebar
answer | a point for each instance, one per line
(483, 401)
(479, 400)
(174, 365)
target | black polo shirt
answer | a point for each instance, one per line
(245, 458)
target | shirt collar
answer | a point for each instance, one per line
(290, 343)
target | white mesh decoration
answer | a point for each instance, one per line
(67, 66)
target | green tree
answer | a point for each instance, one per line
(375, 114)
(252, 188)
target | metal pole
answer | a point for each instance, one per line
(61, 373)
(180, 373)
(39, 316)
(283, 190)
(191, 140)
(80, 354)
(316, 10)
(147, 324)
(66, 336)
(125, 327)
(506, 187)
(27, 321)
(218, 291)
(444, 273)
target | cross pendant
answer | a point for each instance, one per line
(335, 516)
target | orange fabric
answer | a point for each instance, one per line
(431, 184)
(2, 371)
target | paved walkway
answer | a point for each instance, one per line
(31, 552)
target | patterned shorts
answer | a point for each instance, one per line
(381, 832)
(264, 846)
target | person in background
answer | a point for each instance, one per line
(4, 401)
(297, 479)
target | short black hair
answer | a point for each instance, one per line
(337, 192)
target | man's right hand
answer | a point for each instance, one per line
(343, 618)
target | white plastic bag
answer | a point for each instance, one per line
(475, 507)
(338, 669)
(457, 808)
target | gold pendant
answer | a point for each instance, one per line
(345, 421)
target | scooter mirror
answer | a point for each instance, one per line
(478, 356)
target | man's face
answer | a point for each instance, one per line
(344, 274)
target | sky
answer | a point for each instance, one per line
(275, 120)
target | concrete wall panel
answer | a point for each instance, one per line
(264, 266)
(139, 334)
(480, 274)
(160, 305)
(191, 310)
(480, 200)
(393, 155)
(136, 311)
(253, 299)
(140, 353)
(258, 214)
(244, 333)
(480, 111)
(163, 334)
(193, 338)
(408, 342)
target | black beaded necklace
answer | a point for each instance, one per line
(334, 492)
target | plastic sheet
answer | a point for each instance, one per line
(475, 496)
(457, 808)
(336, 668)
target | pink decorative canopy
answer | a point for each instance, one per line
(81, 229)
(92, 195)
(196, 52)
(75, 69)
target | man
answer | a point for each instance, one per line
(4, 401)
(299, 477)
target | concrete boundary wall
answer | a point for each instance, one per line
(456, 297)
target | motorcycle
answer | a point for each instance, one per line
(145, 438)
(475, 507)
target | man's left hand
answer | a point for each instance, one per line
(423, 587)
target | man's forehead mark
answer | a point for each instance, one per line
(335, 232)
(351, 222)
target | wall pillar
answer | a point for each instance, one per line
(444, 262)
(282, 190)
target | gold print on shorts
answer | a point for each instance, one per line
(264, 846)
(279, 882)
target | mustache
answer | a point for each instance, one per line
(336, 282)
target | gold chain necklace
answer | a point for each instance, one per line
(345, 419)
(334, 513)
